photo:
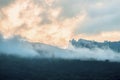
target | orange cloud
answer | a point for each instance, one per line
(25, 18)
(41, 22)
(112, 36)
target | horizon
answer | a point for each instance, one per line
(59, 39)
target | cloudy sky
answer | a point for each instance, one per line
(55, 22)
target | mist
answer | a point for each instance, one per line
(16, 46)
(21, 48)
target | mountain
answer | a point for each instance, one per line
(49, 51)
(79, 50)
(23, 60)
(82, 43)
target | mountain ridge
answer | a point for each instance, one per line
(82, 43)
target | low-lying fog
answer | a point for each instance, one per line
(19, 47)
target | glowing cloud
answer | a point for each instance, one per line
(38, 23)
(42, 21)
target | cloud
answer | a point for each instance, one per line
(103, 36)
(55, 22)
(5, 2)
(16, 46)
(38, 22)
(19, 47)
(103, 16)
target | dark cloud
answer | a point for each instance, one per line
(101, 24)
(5, 2)
(102, 16)
(45, 18)
(72, 8)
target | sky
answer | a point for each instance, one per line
(55, 22)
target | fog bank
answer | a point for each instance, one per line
(19, 47)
